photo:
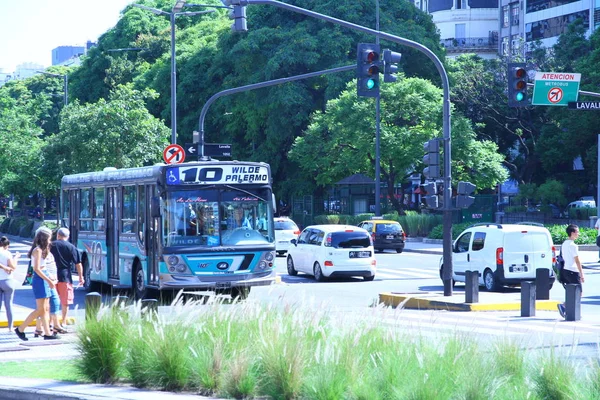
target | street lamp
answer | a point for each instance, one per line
(176, 11)
(66, 82)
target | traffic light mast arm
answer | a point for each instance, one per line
(259, 85)
(447, 273)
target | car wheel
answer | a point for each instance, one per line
(369, 278)
(318, 273)
(399, 250)
(290, 267)
(489, 280)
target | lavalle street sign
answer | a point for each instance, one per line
(555, 88)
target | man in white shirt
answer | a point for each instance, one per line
(572, 273)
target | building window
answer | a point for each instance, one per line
(505, 17)
(514, 11)
(505, 46)
(515, 44)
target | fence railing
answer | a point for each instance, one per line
(455, 44)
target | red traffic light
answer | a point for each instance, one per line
(520, 73)
(372, 56)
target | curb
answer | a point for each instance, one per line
(423, 251)
(408, 301)
(16, 322)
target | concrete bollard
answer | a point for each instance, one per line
(472, 287)
(542, 284)
(573, 302)
(150, 306)
(93, 301)
(527, 299)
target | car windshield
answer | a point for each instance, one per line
(285, 225)
(348, 240)
(389, 228)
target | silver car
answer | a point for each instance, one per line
(285, 230)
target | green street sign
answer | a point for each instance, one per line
(555, 88)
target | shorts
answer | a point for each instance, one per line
(570, 277)
(65, 293)
(40, 287)
(54, 302)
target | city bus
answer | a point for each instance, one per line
(198, 226)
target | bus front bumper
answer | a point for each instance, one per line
(217, 282)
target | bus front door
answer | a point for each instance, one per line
(112, 231)
(152, 242)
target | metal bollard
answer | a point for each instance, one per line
(472, 287)
(150, 306)
(527, 299)
(542, 284)
(93, 301)
(573, 302)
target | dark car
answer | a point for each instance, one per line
(385, 234)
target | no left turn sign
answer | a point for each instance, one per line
(174, 154)
(555, 95)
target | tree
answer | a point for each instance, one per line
(340, 141)
(118, 132)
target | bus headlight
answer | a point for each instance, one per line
(172, 260)
(262, 265)
(171, 269)
(269, 256)
(181, 268)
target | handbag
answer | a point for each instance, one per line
(29, 275)
(559, 267)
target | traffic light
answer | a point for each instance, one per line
(431, 200)
(431, 159)
(463, 198)
(390, 65)
(238, 14)
(368, 64)
(517, 85)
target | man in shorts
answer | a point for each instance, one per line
(65, 255)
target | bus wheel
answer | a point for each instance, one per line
(139, 282)
(89, 285)
(241, 293)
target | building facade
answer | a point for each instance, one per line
(64, 53)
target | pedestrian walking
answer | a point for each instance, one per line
(8, 284)
(41, 283)
(572, 272)
(66, 255)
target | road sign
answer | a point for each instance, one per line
(555, 88)
(174, 154)
(217, 150)
(191, 150)
(584, 105)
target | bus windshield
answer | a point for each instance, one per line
(217, 217)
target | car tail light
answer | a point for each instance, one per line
(327, 240)
(500, 256)
(553, 255)
(296, 232)
(328, 263)
(373, 262)
(372, 237)
(403, 236)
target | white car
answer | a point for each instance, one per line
(285, 230)
(506, 254)
(332, 251)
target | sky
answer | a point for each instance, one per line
(30, 29)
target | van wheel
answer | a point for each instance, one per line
(290, 267)
(369, 278)
(399, 251)
(318, 273)
(442, 278)
(490, 282)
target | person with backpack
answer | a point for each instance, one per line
(572, 272)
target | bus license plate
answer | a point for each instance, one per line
(223, 285)
(360, 254)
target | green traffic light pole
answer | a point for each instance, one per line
(447, 269)
(259, 85)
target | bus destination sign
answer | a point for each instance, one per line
(224, 174)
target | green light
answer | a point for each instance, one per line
(370, 83)
(520, 96)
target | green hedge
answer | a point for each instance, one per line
(413, 223)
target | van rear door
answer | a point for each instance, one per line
(524, 252)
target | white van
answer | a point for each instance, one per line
(504, 255)
(586, 201)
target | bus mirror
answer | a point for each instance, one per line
(274, 203)
(155, 207)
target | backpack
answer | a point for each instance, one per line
(559, 267)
